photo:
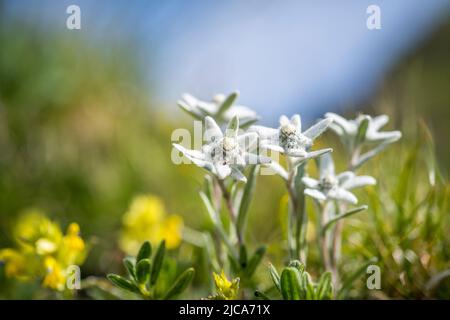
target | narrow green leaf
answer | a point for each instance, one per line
(297, 265)
(144, 252)
(255, 261)
(158, 262)
(234, 264)
(243, 257)
(218, 224)
(180, 284)
(129, 263)
(227, 103)
(275, 277)
(183, 106)
(351, 212)
(362, 130)
(247, 123)
(308, 286)
(291, 284)
(232, 127)
(325, 287)
(247, 196)
(122, 283)
(143, 271)
(370, 154)
(260, 295)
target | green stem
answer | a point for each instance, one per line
(231, 211)
(292, 209)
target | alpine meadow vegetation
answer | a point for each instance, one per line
(362, 214)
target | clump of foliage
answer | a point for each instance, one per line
(144, 272)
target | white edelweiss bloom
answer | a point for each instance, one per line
(289, 139)
(221, 108)
(225, 154)
(335, 187)
(348, 129)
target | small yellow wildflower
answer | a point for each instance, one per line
(146, 219)
(43, 252)
(170, 230)
(73, 240)
(72, 249)
(55, 278)
(14, 262)
(144, 210)
(34, 231)
(226, 289)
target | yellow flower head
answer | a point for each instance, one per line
(43, 252)
(226, 289)
(144, 210)
(72, 239)
(72, 250)
(36, 232)
(170, 230)
(14, 262)
(146, 219)
(55, 278)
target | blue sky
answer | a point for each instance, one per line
(284, 56)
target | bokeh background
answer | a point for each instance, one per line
(86, 115)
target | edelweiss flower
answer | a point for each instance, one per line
(335, 187)
(348, 129)
(220, 108)
(227, 154)
(290, 139)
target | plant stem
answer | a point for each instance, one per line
(292, 209)
(231, 212)
(324, 239)
(297, 218)
(336, 241)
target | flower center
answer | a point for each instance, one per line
(291, 139)
(327, 183)
(288, 130)
(228, 144)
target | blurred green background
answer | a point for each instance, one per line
(80, 136)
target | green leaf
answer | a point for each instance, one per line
(325, 287)
(260, 295)
(234, 265)
(243, 257)
(129, 262)
(290, 282)
(351, 212)
(158, 262)
(122, 283)
(143, 271)
(255, 261)
(227, 103)
(180, 284)
(308, 286)
(297, 265)
(362, 130)
(370, 154)
(247, 196)
(144, 252)
(275, 277)
(232, 127)
(183, 106)
(218, 224)
(247, 123)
